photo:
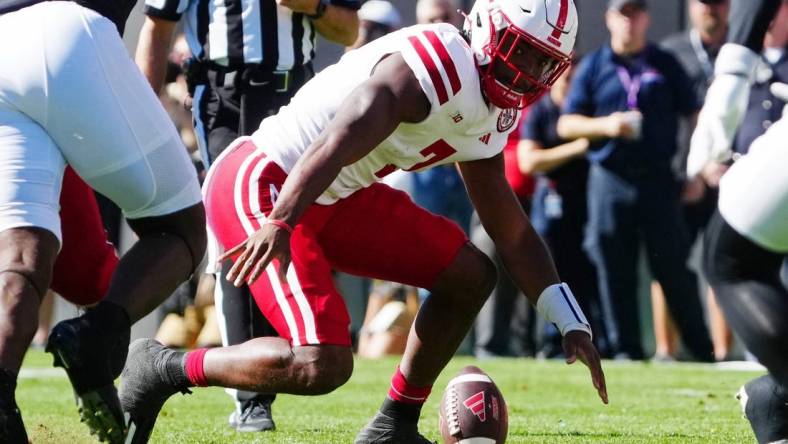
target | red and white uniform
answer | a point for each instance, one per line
(87, 259)
(357, 225)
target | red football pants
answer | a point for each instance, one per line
(87, 259)
(376, 232)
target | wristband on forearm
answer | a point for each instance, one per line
(557, 304)
(281, 224)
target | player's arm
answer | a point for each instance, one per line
(523, 252)
(152, 48)
(338, 24)
(370, 113)
(528, 261)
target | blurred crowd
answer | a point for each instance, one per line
(597, 164)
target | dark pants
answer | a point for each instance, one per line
(747, 282)
(623, 212)
(564, 236)
(224, 110)
(506, 324)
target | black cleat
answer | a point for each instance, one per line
(254, 416)
(145, 386)
(385, 429)
(92, 359)
(12, 429)
(765, 404)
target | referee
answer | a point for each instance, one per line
(249, 59)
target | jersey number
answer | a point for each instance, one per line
(433, 154)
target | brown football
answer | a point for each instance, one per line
(473, 410)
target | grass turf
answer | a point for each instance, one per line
(549, 402)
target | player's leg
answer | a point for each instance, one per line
(313, 354)
(31, 171)
(746, 281)
(87, 260)
(423, 250)
(111, 128)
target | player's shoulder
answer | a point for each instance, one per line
(441, 59)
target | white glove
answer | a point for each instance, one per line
(724, 108)
(780, 90)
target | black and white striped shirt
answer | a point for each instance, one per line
(237, 32)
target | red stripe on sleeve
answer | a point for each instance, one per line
(432, 70)
(448, 63)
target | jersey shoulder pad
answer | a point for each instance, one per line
(441, 60)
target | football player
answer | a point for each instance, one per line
(747, 239)
(302, 196)
(70, 94)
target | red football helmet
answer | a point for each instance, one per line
(521, 47)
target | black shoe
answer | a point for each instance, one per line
(12, 429)
(254, 416)
(146, 384)
(385, 429)
(92, 358)
(765, 404)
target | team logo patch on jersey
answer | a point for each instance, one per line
(506, 119)
(476, 405)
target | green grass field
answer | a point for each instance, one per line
(549, 402)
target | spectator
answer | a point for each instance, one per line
(438, 11)
(559, 209)
(249, 59)
(696, 49)
(626, 98)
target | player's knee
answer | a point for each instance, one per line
(20, 301)
(187, 224)
(325, 370)
(481, 274)
(471, 276)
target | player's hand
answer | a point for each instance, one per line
(255, 253)
(303, 6)
(577, 345)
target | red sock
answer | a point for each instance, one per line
(194, 367)
(402, 391)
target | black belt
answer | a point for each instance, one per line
(255, 77)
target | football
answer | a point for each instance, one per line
(473, 410)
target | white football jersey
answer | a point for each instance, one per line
(754, 192)
(461, 126)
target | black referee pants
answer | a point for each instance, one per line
(225, 109)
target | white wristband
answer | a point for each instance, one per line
(557, 304)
